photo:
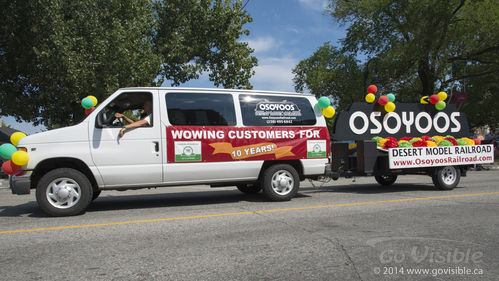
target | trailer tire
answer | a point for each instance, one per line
(280, 182)
(386, 180)
(249, 188)
(446, 178)
(64, 192)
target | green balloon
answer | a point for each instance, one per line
(323, 102)
(405, 144)
(440, 105)
(6, 150)
(87, 103)
(461, 142)
(391, 97)
(445, 143)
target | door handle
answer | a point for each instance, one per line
(156, 146)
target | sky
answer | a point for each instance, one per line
(283, 33)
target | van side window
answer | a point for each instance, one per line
(127, 108)
(262, 110)
(197, 109)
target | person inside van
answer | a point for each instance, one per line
(145, 121)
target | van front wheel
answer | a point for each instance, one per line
(280, 182)
(64, 192)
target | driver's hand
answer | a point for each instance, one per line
(122, 132)
(118, 115)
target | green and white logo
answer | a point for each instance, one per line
(187, 151)
(316, 149)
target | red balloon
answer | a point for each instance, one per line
(372, 89)
(434, 99)
(477, 141)
(9, 168)
(383, 100)
(88, 110)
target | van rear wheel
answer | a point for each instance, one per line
(280, 182)
(249, 188)
(64, 192)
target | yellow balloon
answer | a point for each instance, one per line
(382, 142)
(390, 106)
(94, 99)
(424, 100)
(370, 98)
(442, 96)
(15, 137)
(20, 158)
(328, 112)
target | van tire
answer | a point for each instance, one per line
(446, 178)
(386, 180)
(95, 194)
(282, 190)
(249, 188)
(65, 182)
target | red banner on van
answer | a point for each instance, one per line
(217, 144)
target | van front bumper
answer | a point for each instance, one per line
(20, 185)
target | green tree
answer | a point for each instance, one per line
(416, 42)
(194, 36)
(420, 47)
(482, 104)
(330, 72)
(53, 53)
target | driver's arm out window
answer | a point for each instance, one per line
(133, 105)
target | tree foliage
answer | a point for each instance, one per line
(424, 46)
(55, 52)
(326, 72)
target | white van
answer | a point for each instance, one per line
(254, 140)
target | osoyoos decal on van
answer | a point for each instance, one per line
(216, 144)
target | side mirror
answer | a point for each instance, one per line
(99, 120)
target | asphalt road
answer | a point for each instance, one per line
(341, 231)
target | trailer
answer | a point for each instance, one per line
(354, 153)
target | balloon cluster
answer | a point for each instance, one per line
(385, 100)
(15, 158)
(324, 104)
(424, 141)
(437, 100)
(89, 104)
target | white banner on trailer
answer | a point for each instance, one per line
(418, 157)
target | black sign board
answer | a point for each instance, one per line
(363, 121)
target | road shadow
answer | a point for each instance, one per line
(209, 197)
(29, 208)
(145, 201)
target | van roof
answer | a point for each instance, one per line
(218, 90)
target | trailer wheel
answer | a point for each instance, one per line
(280, 182)
(386, 179)
(446, 178)
(64, 192)
(249, 188)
